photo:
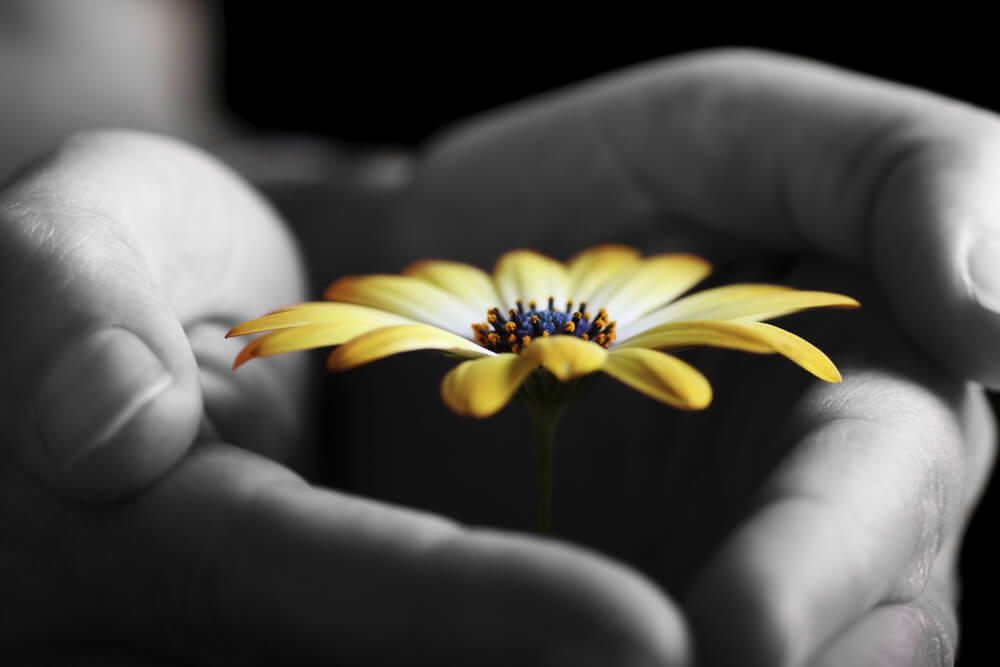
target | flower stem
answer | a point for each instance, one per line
(546, 398)
(545, 422)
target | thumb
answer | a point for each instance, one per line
(99, 393)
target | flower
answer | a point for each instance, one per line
(537, 312)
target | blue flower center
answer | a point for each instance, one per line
(511, 333)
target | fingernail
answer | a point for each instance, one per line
(94, 390)
(984, 273)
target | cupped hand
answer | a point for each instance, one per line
(833, 532)
(799, 523)
(145, 510)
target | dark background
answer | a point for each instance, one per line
(388, 81)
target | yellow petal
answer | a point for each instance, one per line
(481, 387)
(694, 333)
(528, 275)
(392, 340)
(292, 339)
(593, 268)
(409, 297)
(350, 316)
(566, 357)
(755, 337)
(748, 302)
(649, 284)
(469, 283)
(661, 376)
(799, 350)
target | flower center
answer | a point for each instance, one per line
(520, 327)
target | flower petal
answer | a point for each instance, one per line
(388, 341)
(481, 387)
(661, 376)
(695, 333)
(755, 337)
(320, 312)
(528, 275)
(410, 297)
(649, 284)
(593, 268)
(566, 357)
(305, 337)
(749, 302)
(797, 349)
(469, 283)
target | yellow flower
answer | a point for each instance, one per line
(607, 309)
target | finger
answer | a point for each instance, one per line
(106, 250)
(852, 519)
(925, 630)
(919, 633)
(230, 555)
(757, 151)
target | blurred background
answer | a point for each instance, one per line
(393, 79)
(229, 75)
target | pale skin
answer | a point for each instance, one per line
(184, 535)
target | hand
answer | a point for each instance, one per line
(839, 510)
(745, 154)
(591, 598)
(123, 260)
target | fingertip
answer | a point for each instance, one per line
(981, 321)
(100, 269)
(935, 246)
(114, 411)
(139, 453)
(948, 315)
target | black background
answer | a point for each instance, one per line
(390, 80)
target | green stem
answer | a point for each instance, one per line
(546, 398)
(545, 422)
